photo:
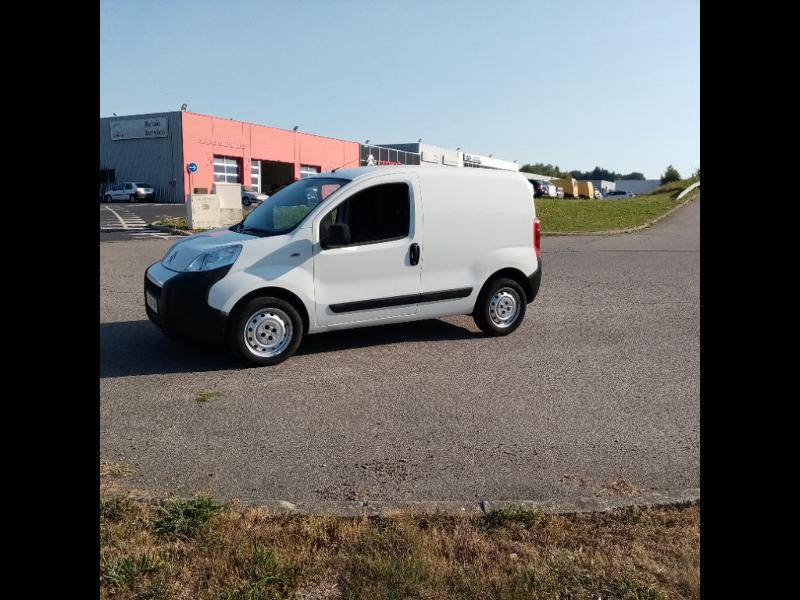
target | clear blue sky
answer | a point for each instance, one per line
(614, 84)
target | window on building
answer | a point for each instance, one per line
(226, 169)
(255, 175)
(306, 170)
(377, 214)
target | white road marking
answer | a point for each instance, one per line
(126, 221)
(121, 220)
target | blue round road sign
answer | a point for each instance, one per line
(191, 167)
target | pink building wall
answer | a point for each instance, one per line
(205, 136)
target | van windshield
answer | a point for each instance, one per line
(284, 210)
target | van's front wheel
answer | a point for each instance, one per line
(500, 307)
(265, 331)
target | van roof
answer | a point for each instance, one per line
(359, 172)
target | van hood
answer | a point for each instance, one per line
(185, 251)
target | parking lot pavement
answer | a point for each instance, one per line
(121, 221)
(124, 221)
(595, 395)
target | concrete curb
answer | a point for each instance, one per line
(561, 506)
(696, 184)
(632, 229)
(169, 229)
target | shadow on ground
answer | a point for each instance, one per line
(139, 348)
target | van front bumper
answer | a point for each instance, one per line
(182, 309)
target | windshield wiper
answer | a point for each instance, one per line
(255, 230)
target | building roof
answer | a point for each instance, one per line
(358, 172)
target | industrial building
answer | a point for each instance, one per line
(603, 185)
(431, 154)
(158, 149)
(637, 186)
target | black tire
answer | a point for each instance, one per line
(246, 201)
(108, 198)
(238, 327)
(486, 302)
(131, 199)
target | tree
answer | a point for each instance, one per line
(598, 173)
(543, 169)
(670, 175)
(697, 173)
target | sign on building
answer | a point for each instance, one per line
(153, 127)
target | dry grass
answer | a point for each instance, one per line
(205, 396)
(199, 549)
(113, 469)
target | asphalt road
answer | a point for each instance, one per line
(596, 395)
(120, 221)
(149, 212)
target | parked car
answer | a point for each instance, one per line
(559, 192)
(552, 190)
(354, 256)
(540, 188)
(598, 195)
(618, 194)
(130, 191)
(252, 196)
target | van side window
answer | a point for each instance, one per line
(377, 214)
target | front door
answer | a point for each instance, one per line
(116, 192)
(377, 275)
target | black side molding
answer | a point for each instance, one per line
(535, 281)
(400, 300)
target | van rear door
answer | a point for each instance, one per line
(375, 275)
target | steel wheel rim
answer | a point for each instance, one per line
(504, 308)
(268, 332)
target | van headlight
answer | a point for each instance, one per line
(214, 259)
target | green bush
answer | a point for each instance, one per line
(185, 518)
(670, 175)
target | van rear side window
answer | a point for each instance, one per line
(377, 214)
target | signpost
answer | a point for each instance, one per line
(191, 167)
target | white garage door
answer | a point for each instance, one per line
(226, 169)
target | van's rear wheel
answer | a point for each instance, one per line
(265, 331)
(500, 307)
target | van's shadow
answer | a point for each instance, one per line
(139, 348)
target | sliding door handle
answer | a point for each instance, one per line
(414, 254)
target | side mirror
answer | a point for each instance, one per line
(333, 234)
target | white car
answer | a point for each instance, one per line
(130, 191)
(251, 196)
(552, 191)
(618, 195)
(359, 247)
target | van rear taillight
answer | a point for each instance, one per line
(537, 236)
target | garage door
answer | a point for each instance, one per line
(226, 169)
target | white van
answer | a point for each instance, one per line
(353, 248)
